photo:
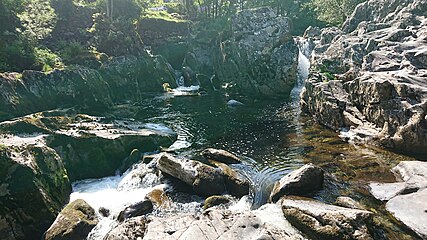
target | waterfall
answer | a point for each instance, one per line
(303, 69)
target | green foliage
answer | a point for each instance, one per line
(38, 19)
(115, 37)
(69, 51)
(334, 12)
(46, 60)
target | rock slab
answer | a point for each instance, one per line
(322, 221)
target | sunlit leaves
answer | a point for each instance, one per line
(38, 19)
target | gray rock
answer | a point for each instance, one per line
(236, 184)
(408, 197)
(131, 229)
(204, 179)
(302, 181)
(370, 77)
(135, 210)
(323, 221)
(220, 156)
(260, 58)
(267, 223)
(412, 176)
(234, 103)
(386, 191)
(411, 210)
(75, 221)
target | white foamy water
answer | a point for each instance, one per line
(186, 91)
(303, 70)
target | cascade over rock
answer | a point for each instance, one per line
(371, 76)
(40, 154)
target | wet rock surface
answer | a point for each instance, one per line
(205, 180)
(299, 182)
(322, 221)
(137, 209)
(370, 76)
(220, 156)
(407, 199)
(75, 221)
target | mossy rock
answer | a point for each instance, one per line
(75, 221)
(215, 201)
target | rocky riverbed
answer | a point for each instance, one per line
(218, 149)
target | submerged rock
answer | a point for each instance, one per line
(159, 198)
(348, 202)
(75, 221)
(134, 210)
(323, 221)
(220, 156)
(302, 181)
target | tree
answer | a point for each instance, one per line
(334, 12)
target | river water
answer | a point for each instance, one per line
(272, 137)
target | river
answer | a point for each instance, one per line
(273, 138)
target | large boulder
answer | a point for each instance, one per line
(89, 147)
(75, 221)
(259, 57)
(322, 221)
(302, 181)
(204, 179)
(34, 186)
(369, 79)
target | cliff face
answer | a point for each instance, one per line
(122, 79)
(371, 76)
(260, 56)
